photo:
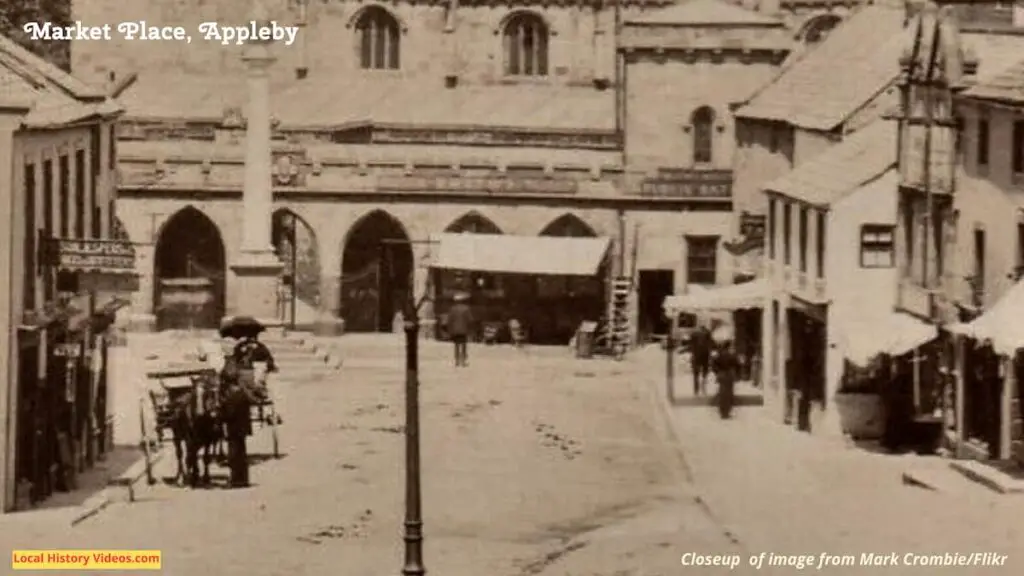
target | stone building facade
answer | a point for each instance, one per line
(66, 274)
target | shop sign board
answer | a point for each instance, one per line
(91, 255)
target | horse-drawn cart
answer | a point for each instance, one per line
(175, 383)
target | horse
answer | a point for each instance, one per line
(196, 427)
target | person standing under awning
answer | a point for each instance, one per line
(460, 321)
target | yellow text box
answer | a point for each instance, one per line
(86, 560)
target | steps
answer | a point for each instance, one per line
(300, 357)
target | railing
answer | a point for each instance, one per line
(688, 183)
(820, 289)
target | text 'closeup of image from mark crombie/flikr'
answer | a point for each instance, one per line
(513, 288)
(144, 31)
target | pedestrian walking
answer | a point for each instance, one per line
(460, 321)
(700, 358)
(726, 365)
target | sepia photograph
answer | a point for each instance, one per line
(512, 287)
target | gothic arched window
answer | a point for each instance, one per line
(703, 121)
(526, 45)
(379, 38)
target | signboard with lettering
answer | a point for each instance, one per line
(752, 225)
(91, 255)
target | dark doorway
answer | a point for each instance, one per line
(376, 276)
(563, 302)
(296, 246)
(655, 286)
(807, 368)
(189, 276)
(568, 226)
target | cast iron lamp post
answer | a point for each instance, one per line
(413, 535)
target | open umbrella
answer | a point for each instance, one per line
(241, 327)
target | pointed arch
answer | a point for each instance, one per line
(296, 245)
(473, 222)
(703, 124)
(189, 271)
(569, 225)
(377, 268)
(817, 28)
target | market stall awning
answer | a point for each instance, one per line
(998, 323)
(733, 297)
(891, 333)
(507, 254)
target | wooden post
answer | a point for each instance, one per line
(1006, 408)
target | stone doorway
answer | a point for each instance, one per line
(295, 243)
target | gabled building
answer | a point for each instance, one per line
(67, 271)
(831, 268)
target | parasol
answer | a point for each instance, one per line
(241, 327)
(460, 297)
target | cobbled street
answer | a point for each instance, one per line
(536, 463)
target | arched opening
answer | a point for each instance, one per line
(525, 38)
(563, 302)
(296, 246)
(473, 223)
(189, 272)
(488, 290)
(818, 28)
(568, 225)
(376, 273)
(703, 124)
(379, 39)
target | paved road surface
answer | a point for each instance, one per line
(535, 464)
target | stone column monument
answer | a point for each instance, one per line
(258, 269)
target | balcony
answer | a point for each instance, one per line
(820, 289)
(688, 183)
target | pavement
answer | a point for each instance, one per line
(536, 463)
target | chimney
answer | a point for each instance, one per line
(769, 7)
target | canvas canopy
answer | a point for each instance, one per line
(733, 297)
(999, 324)
(890, 332)
(508, 254)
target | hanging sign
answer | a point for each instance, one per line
(91, 255)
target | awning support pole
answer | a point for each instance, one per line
(670, 364)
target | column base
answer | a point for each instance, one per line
(258, 276)
(328, 326)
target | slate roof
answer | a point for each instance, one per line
(54, 97)
(839, 171)
(326, 102)
(830, 82)
(703, 13)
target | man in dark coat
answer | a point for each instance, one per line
(460, 322)
(727, 366)
(700, 358)
(237, 404)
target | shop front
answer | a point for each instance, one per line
(550, 285)
(64, 423)
(989, 421)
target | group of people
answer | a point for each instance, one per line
(707, 356)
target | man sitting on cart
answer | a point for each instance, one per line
(249, 353)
